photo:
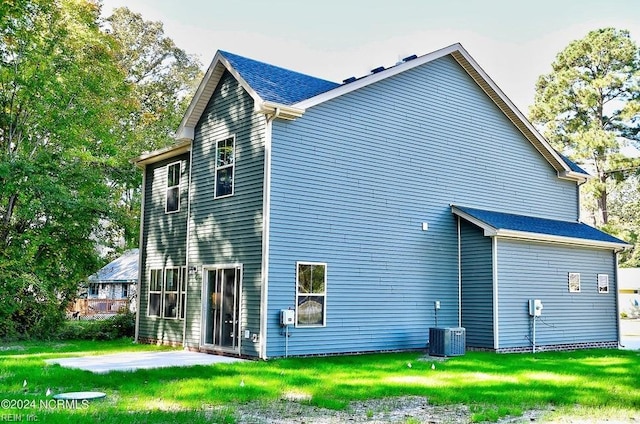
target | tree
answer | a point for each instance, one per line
(590, 104)
(163, 78)
(61, 94)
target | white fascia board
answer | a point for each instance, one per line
(372, 79)
(213, 68)
(161, 154)
(490, 231)
(492, 85)
(523, 235)
(204, 91)
(277, 110)
(574, 176)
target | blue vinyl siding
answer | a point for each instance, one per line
(163, 244)
(228, 230)
(477, 286)
(355, 177)
(540, 271)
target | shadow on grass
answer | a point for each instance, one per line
(490, 384)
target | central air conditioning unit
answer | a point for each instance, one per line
(446, 341)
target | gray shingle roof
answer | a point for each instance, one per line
(122, 270)
(530, 224)
(275, 84)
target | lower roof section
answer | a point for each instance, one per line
(508, 225)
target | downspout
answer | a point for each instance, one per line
(459, 275)
(186, 259)
(266, 213)
(615, 260)
(141, 251)
(580, 184)
(496, 330)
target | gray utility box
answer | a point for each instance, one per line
(446, 341)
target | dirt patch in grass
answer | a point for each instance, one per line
(401, 410)
(408, 409)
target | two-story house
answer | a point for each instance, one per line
(361, 206)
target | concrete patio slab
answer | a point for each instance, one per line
(132, 361)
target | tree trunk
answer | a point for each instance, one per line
(602, 215)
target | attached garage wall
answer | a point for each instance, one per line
(535, 270)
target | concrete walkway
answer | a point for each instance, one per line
(132, 361)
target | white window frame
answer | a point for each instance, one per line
(603, 283)
(314, 294)
(163, 292)
(175, 274)
(155, 292)
(218, 167)
(171, 188)
(182, 292)
(574, 279)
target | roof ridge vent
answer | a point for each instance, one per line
(348, 80)
(408, 58)
(378, 69)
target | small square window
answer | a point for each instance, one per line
(574, 282)
(603, 283)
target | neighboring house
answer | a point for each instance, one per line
(113, 286)
(360, 205)
(629, 292)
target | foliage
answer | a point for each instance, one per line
(77, 102)
(61, 93)
(112, 328)
(590, 104)
(491, 385)
(163, 78)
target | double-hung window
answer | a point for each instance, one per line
(171, 285)
(155, 293)
(183, 291)
(167, 288)
(225, 164)
(311, 294)
(173, 188)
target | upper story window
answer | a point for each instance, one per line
(311, 294)
(225, 164)
(173, 188)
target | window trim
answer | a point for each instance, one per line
(181, 275)
(166, 292)
(173, 187)
(572, 287)
(155, 292)
(323, 295)
(603, 283)
(216, 168)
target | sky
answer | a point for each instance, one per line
(514, 41)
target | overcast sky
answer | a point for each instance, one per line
(514, 41)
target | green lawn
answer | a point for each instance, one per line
(491, 385)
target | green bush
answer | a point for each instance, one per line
(118, 326)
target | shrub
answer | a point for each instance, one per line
(118, 326)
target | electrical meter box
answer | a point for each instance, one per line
(535, 307)
(287, 317)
